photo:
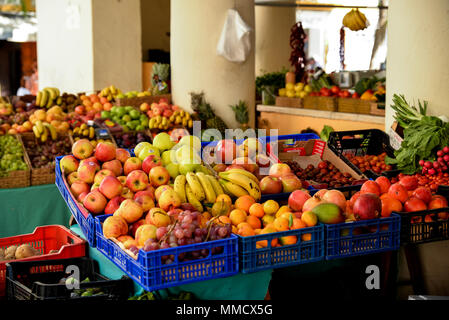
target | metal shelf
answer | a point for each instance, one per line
(300, 4)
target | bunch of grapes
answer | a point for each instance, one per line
(184, 231)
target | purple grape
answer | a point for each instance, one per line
(182, 242)
(179, 234)
(172, 238)
(165, 245)
(198, 239)
(187, 219)
(187, 233)
(198, 232)
(223, 232)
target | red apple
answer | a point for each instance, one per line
(270, 185)
(129, 210)
(71, 178)
(122, 180)
(145, 201)
(246, 163)
(279, 169)
(110, 187)
(82, 196)
(126, 193)
(122, 155)
(114, 165)
(225, 151)
(79, 187)
(95, 202)
(262, 161)
(133, 227)
(297, 199)
(220, 167)
(159, 176)
(68, 164)
(91, 159)
(82, 149)
(290, 183)
(234, 166)
(137, 180)
(131, 164)
(105, 151)
(100, 175)
(159, 190)
(87, 171)
(169, 199)
(113, 205)
(150, 162)
(145, 192)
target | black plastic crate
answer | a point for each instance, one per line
(40, 280)
(360, 143)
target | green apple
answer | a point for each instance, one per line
(121, 111)
(184, 152)
(187, 166)
(168, 157)
(191, 141)
(163, 141)
(126, 118)
(129, 109)
(147, 151)
(134, 114)
(140, 128)
(105, 114)
(131, 125)
(173, 169)
(114, 109)
(142, 145)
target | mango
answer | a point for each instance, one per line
(328, 213)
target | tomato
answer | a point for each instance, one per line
(325, 92)
(344, 94)
(335, 90)
(355, 95)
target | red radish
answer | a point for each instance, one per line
(367, 206)
(440, 153)
(436, 165)
(446, 149)
(421, 162)
(423, 194)
(446, 158)
(428, 164)
(440, 160)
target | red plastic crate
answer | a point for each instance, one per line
(44, 239)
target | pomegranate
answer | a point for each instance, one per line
(311, 203)
(370, 187)
(297, 199)
(422, 193)
(409, 182)
(367, 206)
(414, 204)
(354, 197)
(336, 197)
(321, 193)
(398, 191)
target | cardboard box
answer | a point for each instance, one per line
(396, 134)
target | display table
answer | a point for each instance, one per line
(253, 286)
(24, 209)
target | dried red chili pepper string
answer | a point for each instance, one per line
(298, 56)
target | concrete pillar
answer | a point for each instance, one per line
(418, 42)
(273, 26)
(85, 45)
(155, 15)
(195, 66)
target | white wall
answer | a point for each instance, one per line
(155, 15)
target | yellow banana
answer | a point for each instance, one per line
(37, 134)
(50, 102)
(233, 189)
(207, 187)
(239, 171)
(179, 185)
(59, 101)
(39, 126)
(192, 199)
(44, 135)
(52, 92)
(76, 130)
(215, 185)
(91, 132)
(113, 90)
(248, 184)
(44, 98)
(195, 185)
(52, 131)
(38, 98)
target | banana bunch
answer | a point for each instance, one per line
(84, 131)
(110, 93)
(179, 117)
(197, 189)
(355, 20)
(239, 182)
(43, 130)
(48, 97)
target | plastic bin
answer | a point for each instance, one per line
(82, 216)
(44, 239)
(362, 237)
(360, 143)
(254, 259)
(39, 280)
(149, 271)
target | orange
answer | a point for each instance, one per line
(234, 229)
(246, 231)
(244, 202)
(298, 224)
(237, 216)
(244, 225)
(270, 207)
(306, 237)
(288, 240)
(309, 218)
(207, 215)
(223, 220)
(224, 197)
(107, 106)
(257, 231)
(83, 97)
(254, 222)
(287, 215)
(264, 243)
(87, 103)
(280, 224)
(256, 210)
(282, 210)
(267, 219)
(97, 106)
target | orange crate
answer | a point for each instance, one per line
(44, 239)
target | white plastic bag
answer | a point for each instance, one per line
(235, 42)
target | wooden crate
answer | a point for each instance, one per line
(137, 101)
(289, 102)
(378, 109)
(19, 178)
(352, 105)
(320, 103)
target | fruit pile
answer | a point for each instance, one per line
(90, 108)
(298, 90)
(324, 175)
(375, 163)
(333, 91)
(129, 118)
(164, 115)
(130, 140)
(441, 165)
(48, 97)
(11, 155)
(133, 94)
(110, 93)
(6, 107)
(42, 155)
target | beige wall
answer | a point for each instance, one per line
(65, 50)
(417, 61)
(155, 16)
(195, 30)
(273, 26)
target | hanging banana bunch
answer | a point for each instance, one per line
(355, 20)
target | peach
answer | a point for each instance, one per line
(145, 232)
(114, 227)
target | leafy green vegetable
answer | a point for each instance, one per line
(274, 79)
(406, 114)
(324, 135)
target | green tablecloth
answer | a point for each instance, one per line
(252, 286)
(24, 209)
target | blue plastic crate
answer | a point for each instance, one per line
(363, 237)
(85, 221)
(151, 274)
(254, 259)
